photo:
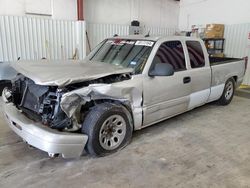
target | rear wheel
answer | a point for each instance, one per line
(108, 127)
(228, 92)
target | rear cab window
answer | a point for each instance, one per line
(196, 55)
(171, 52)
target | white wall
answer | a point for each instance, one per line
(36, 38)
(60, 9)
(12, 7)
(65, 9)
(157, 13)
(201, 12)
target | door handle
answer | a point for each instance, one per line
(186, 80)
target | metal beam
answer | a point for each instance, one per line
(80, 4)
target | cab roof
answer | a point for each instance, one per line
(152, 38)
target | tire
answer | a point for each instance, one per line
(228, 92)
(109, 129)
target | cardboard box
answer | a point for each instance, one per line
(214, 31)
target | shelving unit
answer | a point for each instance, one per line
(214, 46)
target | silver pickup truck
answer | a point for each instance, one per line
(124, 85)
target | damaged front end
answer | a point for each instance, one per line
(50, 118)
(64, 108)
(39, 103)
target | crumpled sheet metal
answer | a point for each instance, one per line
(62, 73)
(125, 93)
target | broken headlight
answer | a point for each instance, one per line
(7, 95)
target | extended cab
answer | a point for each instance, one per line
(125, 84)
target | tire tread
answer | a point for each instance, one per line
(92, 122)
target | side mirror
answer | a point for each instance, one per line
(162, 69)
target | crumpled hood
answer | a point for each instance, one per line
(62, 73)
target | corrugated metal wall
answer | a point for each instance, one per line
(158, 31)
(237, 44)
(34, 38)
(98, 32)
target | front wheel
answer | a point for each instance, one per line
(228, 92)
(109, 128)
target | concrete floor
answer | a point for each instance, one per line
(207, 147)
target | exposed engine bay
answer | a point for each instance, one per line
(42, 103)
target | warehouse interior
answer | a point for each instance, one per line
(204, 146)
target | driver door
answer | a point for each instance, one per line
(166, 96)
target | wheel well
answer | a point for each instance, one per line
(235, 78)
(124, 104)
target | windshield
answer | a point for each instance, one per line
(123, 52)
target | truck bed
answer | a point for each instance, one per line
(222, 60)
(225, 68)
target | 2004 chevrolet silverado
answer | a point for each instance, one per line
(125, 84)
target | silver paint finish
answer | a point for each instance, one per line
(169, 96)
(62, 73)
(70, 145)
(216, 92)
(198, 98)
(221, 73)
(128, 92)
(112, 132)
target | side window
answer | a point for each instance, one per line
(171, 52)
(196, 54)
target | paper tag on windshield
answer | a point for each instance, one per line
(120, 42)
(144, 43)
